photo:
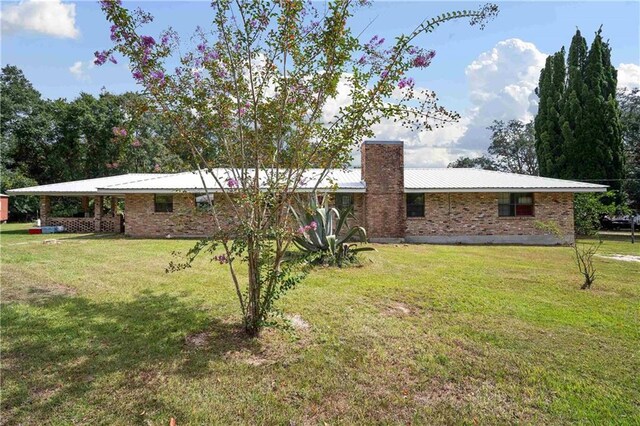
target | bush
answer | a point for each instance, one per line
(590, 208)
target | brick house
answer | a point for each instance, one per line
(392, 202)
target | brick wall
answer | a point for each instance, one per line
(141, 220)
(451, 217)
(384, 205)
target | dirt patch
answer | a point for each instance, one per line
(483, 395)
(24, 286)
(396, 308)
(250, 358)
(623, 257)
(198, 340)
(298, 323)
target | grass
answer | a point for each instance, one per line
(94, 331)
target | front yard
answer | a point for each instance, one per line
(94, 331)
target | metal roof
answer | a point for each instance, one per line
(416, 180)
(81, 187)
(477, 180)
(336, 179)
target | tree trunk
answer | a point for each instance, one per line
(252, 321)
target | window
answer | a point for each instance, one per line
(163, 203)
(515, 204)
(415, 205)
(344, 201)
(202, 202)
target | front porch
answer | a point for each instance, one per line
(100, 218)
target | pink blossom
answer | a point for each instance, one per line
(301, 230)
(136, 143)
(405, 82)
(313, 225)
(101, 57)
(119, 131)
(232, 183)
(147, 41)
(222, 258)
(423, 60)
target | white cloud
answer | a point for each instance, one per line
(628, 76)
(50, 17)
(79, 70)
(501, 87)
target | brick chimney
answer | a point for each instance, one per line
(383, 173)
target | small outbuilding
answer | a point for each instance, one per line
(4, 208)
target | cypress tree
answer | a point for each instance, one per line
(578, 128)
(548, 133)
(572, 112)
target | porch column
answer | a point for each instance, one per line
(85, 206)
(114, 205)
(45, 209)
(97, 209)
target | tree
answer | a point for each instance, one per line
(250, 98)
(513, 147)
(482, 162)
(629, 101)
(547, 125)
(512, 150)
(25, 124)
(578, 130)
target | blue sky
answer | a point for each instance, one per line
(484, 75)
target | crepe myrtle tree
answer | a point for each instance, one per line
(248, 95)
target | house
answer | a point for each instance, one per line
(394, 203)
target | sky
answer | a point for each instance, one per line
(484, 75)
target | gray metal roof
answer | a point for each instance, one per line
(416, 180)
(336, 179)
(477, 180)
(82, 187)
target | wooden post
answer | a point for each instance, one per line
(97, 213)
(114, 205)
(85, 206)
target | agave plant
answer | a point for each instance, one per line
(320, 233)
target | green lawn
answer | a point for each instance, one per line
(94, 331)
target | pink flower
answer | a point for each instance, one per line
(147, 41)
(313, 225)
(301, 230)
(119, 131)
(101, 57)
(232, 183)
(405, 82)
(136, 143)
(158, 75)
(423, 61)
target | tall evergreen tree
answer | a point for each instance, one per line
(548, 133)
(578, 130)
(573, 104)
